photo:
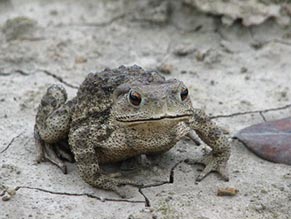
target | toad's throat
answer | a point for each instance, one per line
(167, 117)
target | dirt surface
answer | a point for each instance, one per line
(239, 75)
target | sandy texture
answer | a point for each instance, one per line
(236, 73)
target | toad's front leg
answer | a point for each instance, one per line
(83, 141)
(213, 136)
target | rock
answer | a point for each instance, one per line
(200, 56)
(183, 50)
(19, 28)
(5, 5)
(6, 197)
(166, 68)
(80, 60)
(227, 192)
(250, 12)
(156, 12)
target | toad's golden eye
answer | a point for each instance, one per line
(135, 98)
(184, 93)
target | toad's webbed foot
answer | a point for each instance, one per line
(123, 182)
(63, 151)
(111, 182)
(45, 152)
(51, 152)
(212, 164)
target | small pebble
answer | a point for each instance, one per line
(54, 12)
(19, 28)
(243, 70)
(227, 192)
(6, 197)
(11, 192)
(200, 56)
(257, 45)
(184, 50)
(166, 68)
(287, 176)
(247, 77)
(130, 217)
(80, 60)
(2, 193)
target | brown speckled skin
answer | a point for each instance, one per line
(102, 125)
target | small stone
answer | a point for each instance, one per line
(155, 12)
(19, 28)
(184, 50)
(6, 197)
(11, 191)
(54, 12)
(243, 70)
(166, 68)
(200, 56)
(227, 20)
(247, 77)
(2, 193)
(168, 198)
(147, 210)
(257, 45)
(227, 192)
(287, 8)
(259, 207)
(130, 217)
(283, 94)
(80, 60)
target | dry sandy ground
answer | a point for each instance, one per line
(229, 71)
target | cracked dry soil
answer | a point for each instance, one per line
(239, 75)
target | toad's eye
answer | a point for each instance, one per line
(184, 94)
(135, 98)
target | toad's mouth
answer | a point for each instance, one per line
(161, 118)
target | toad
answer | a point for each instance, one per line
(118, 114)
